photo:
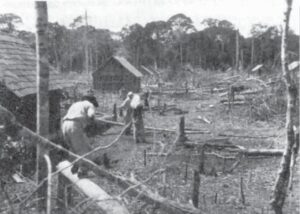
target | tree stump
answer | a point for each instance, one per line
(181, 131)
(138, 125)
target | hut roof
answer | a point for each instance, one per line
(18, 67)
(147, 71)
(257, 67)
(128, 66)
(294, 65)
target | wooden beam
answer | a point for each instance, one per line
(106, 203)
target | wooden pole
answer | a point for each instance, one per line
(196, 186)
(42, 95)
(115, 114)
(242, 195)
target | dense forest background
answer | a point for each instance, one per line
(168, 44)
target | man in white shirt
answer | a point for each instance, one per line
(78, 117)
(128, 116)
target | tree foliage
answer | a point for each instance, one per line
(169, 44)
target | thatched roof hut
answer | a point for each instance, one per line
(18, 82)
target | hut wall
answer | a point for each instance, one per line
(25, 108)
(112, 77)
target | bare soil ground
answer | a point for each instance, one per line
(219, 191)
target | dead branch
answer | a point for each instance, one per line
(141, 182)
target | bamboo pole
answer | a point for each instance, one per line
(42, 95)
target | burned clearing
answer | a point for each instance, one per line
(173, 117)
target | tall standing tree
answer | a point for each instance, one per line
(282, 182)
(181, 25)
(9, 21)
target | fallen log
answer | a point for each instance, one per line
(263, 152)
(235, 148)
(246, 136)
(106, 203)
(153, 128)
(235, 103)
(236, 98)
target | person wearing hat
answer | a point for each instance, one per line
(128, 116)
(79, 116)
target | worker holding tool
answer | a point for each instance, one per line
(134, 114)
(80, 115)
(128, 116)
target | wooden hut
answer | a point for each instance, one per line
(115, 74)
(18, 83)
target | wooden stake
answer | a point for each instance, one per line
(115, 115)
(64, 193)
(145, 157)
(216, 198)
(42, 95)
(202, 160)
(242, 195)
(186, 172)
(196, 186)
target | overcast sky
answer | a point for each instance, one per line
(114, 14)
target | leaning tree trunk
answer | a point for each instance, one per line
(282, 182)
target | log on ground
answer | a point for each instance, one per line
(106, 203)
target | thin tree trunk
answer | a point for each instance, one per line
(237, 48)
(42, 95)
(252, 53)
(282, 181)
(181, 57)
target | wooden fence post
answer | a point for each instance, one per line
(115, 114)
(42, 95)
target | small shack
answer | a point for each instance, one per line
(115, 74)
(18, 83)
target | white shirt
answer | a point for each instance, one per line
(81, 110)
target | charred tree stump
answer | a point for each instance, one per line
(181, 131)
(138, 125)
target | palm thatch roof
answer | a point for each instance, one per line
(18, 67)
(128, 66)
(147, 71)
